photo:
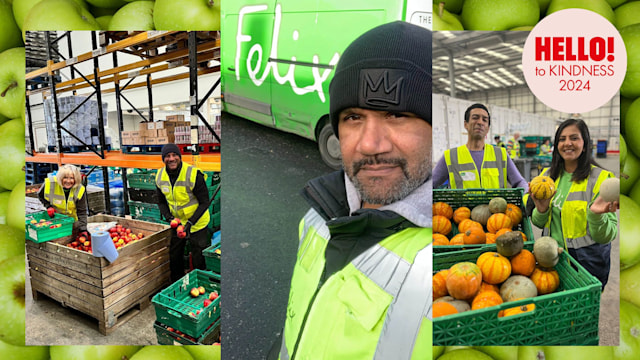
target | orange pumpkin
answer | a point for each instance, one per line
(466, 224)
(498, 221)
(440, 240)
(443, 308)
(486, 299)
(523, 263)
(439, 280)
(461, 213)
(442, 209)
(474, 236)
(491, 238)
(495, 268)
(517, 310)
(485, 286)
(524, 237)
(458, 239)
(546, 280)
(464, 280)
(441, 225)
(502, 232)
(514, 213)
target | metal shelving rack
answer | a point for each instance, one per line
(201, 47)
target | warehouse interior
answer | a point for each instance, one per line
(107, 102)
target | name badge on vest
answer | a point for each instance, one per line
(165, 189)
(468, 175)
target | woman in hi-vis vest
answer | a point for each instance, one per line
(580, 220)
(66, 195)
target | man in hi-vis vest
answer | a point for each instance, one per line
(361, 285)
(184, 202)
(477, 164)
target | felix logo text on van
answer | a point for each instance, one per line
(256, 50)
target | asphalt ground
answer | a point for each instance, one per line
(263, 171)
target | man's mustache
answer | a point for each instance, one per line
(375, 160)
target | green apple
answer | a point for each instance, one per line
(92, 352)
(615, 3)
(522, 28)
(12, 150)
(632, 130)
(631, 171)
(200, 352)
(21, 9)
(12, 240)
(108, 4)
(499, 352)
(10, 36)
(629, 346)
(625, 103)
(631, 84)
(161, 352)
(98, 11)
(452, 6)
(627, 14)
(531, 352)
(598, 6)
(15, 216)
(577, 352)
(465, 354)
(630, 284)
(623, 151)
(12, 84)
(136, 15)
(443, 20)
(104, 21)
(499, 15)
(629, 228)
(436, 351)
(12, 276)
(187, 15)
(12, 352)
(61, 15)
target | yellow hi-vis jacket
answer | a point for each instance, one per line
(55, 195)
(180, 198)
(514, 148)
(463, 173)
(377, 307)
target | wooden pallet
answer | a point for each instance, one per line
(110, 293)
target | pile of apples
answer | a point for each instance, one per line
(31, 190)
(197, 292)
(122, 236)
(81, 243)
(44, 223)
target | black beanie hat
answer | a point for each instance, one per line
(387, 68)
(170, 148)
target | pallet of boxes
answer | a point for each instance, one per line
(110, 277)
(154, 134)
(490, 273)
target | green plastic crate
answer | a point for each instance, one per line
(45, 232)
(151, 219)
(142, 180)
(142, 209)
(212, 178)
(214, 221)
(212, 258)
(568, 316)
(470, 198)
(176, 308)
(168, 337)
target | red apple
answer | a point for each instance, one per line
(201, 290)
(194, 292)
(175, 222)
(128, 231)
(207, 302)
(214, 295)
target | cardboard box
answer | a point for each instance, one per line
(134, 133)
(125, 134)
(162, 140)
(151, 125)
(151, 141)
(162, 132)
(175, 118)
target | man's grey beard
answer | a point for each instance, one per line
(398, 191)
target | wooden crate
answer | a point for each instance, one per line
(111, 293)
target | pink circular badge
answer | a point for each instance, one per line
(574, 61)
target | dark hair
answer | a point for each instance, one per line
(496, 137)
(467, 113)
(584, 161)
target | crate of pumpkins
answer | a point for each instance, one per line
(516, 294)
(475, 218)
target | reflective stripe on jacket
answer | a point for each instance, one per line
(377, 307)
(463, 173)
(55, 195)
(182, 203)
(574, 210)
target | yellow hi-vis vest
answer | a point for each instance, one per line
(574, 210)
(55, 195)
(377, 307)
(180, 198)
(514, 148)
(463, 173)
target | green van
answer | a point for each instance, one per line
(279, 56)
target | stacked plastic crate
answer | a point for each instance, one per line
(83, 122)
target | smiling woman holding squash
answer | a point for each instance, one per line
(569, 209)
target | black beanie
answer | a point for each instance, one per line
(387, 68)
(170, 148)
